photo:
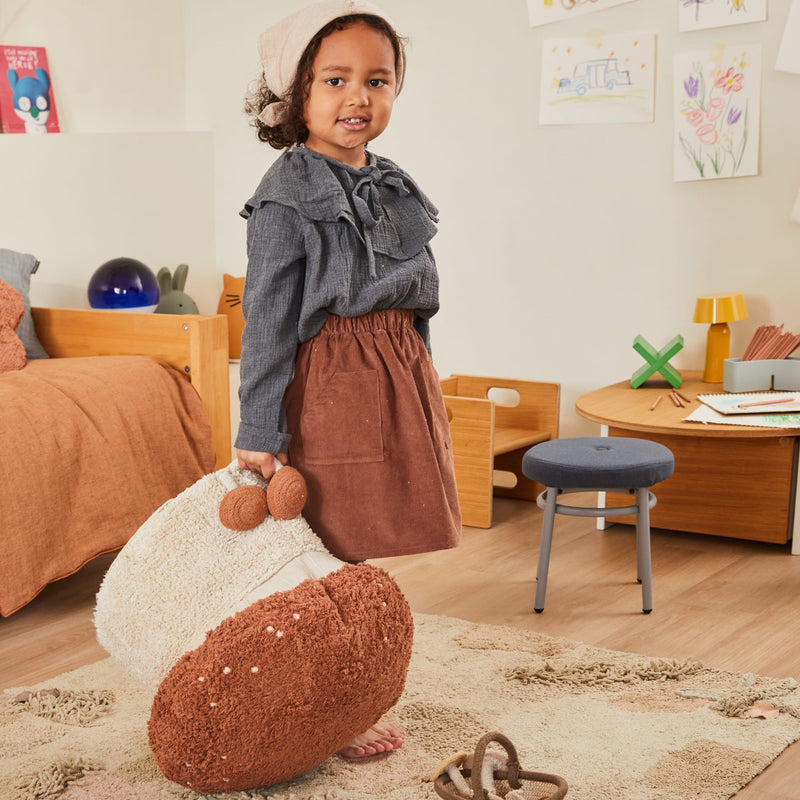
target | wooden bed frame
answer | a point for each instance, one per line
(194, 343)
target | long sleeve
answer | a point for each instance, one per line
(271, 306)
(325, 238)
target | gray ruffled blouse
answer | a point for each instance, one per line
(325, 238)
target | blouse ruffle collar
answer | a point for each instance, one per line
(390, 213)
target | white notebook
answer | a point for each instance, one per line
(753, 402)
(706, 414)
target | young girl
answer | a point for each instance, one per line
(336, 375)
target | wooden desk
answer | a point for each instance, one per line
(729, 480)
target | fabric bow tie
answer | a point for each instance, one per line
(369, 208)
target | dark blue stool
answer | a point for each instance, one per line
(598, 464)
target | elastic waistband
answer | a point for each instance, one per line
(390, 319)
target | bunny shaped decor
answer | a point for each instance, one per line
(266, 654)
(172, 298)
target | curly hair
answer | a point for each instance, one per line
(292, 128)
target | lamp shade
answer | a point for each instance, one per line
(723, 307)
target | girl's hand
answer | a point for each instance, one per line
(262, 463)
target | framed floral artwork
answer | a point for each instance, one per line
(717, 107)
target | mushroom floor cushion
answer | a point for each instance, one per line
(265, 653)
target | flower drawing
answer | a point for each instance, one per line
(729, 81)
(717, 138)
(695, 117)
(696, 4)
(714, 109)
(707, 133)
(733, 115)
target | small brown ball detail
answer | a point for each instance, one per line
(243, 508)
(286, 493)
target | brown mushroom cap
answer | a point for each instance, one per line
(280, 686)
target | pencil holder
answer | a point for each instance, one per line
(782, 374)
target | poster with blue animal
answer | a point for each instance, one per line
(26, 92)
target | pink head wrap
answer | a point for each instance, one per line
(281, 47)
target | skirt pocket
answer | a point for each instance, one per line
(341, 420)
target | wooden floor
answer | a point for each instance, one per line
(729, 604)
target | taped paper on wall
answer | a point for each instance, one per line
(598, 79)
(540, 12)
(699, 14)
(789, 53)
(795, 216)
(717, 110)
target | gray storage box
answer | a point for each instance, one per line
(781, 374)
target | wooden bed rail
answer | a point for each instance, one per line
(196, 344)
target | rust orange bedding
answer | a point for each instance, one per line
(89, 449)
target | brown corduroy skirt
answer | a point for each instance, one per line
(371, 437)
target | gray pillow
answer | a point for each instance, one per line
(16, 270)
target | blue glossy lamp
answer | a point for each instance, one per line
(123, 284)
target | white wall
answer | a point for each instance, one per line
(78, 200)
(124, 178)
(557, 244)
(117, 65)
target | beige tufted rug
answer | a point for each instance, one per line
(617, 726)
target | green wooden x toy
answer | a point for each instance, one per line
(657, 361)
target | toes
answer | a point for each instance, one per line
(380, 738)
(351, 751)
(387, 730)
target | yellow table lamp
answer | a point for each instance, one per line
(718, 310)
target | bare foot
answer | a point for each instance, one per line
(380, 738)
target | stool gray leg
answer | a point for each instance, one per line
(551, 498)
(643, 548)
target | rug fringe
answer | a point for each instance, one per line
(737, 703)
(51, 781)
(81, 708)
(605, 673)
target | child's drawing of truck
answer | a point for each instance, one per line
(599, 73)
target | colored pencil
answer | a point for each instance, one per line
(782, 401)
